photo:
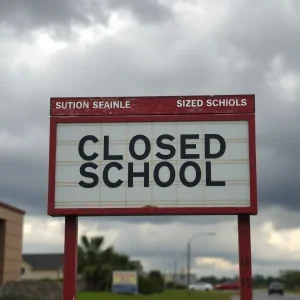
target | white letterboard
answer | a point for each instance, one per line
(161, 181)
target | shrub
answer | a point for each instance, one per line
(180, 286)
(147, 285)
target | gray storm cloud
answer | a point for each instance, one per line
(188, 69)
(246, 49)
(59, 16)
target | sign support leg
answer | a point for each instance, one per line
(70, 258)
(245, 263)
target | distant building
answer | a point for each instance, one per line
(42, 266)
(50, 266)
(11, 239)
(180, 278)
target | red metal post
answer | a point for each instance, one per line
(245, 263)
(70, 258)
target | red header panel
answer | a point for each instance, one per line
(101, 106)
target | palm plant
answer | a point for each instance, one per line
(89, 260)
(97, 264)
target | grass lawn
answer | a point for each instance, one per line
(168, 295)
(293, 291)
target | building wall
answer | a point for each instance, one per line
(31, 274)
(2, 236)
(182, 278)
(11, 240)
(28, 273)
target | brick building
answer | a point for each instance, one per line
(11, 240)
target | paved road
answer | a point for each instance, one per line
(259, 295)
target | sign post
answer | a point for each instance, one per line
(70, 258)
(172, 155)
(244, 237)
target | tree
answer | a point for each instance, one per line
(258, 281)
(122, 262)
(291, 278)
(97, 264)
(89, 260)
(211, 279)
(146, 285)
(158, 280)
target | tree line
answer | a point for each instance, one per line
(97, 264)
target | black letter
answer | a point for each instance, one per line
(249, 282)
(81, 146)
(161, 145)
(246, 282)
(222, 142)
(144, 174)
(106, 155)
(156, 174)
(105, 175)
(209, 182)
(182, 174)
(147, 147)
(85, 173)
(184, 146)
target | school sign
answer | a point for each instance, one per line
(171, 155)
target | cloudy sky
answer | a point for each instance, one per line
(155, 47)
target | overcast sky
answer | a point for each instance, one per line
(155, 47)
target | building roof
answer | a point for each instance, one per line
(12, 208)
(47, 261)
(50, 261)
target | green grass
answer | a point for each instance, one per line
(168, 295)
(292, 291)
(14, 298)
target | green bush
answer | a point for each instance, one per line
(180, 287)
(47, 279)
(147, 285)
(175, 286)
(170, 285)
(158, 279)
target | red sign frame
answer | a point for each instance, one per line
(151, 115)
(155, 105)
